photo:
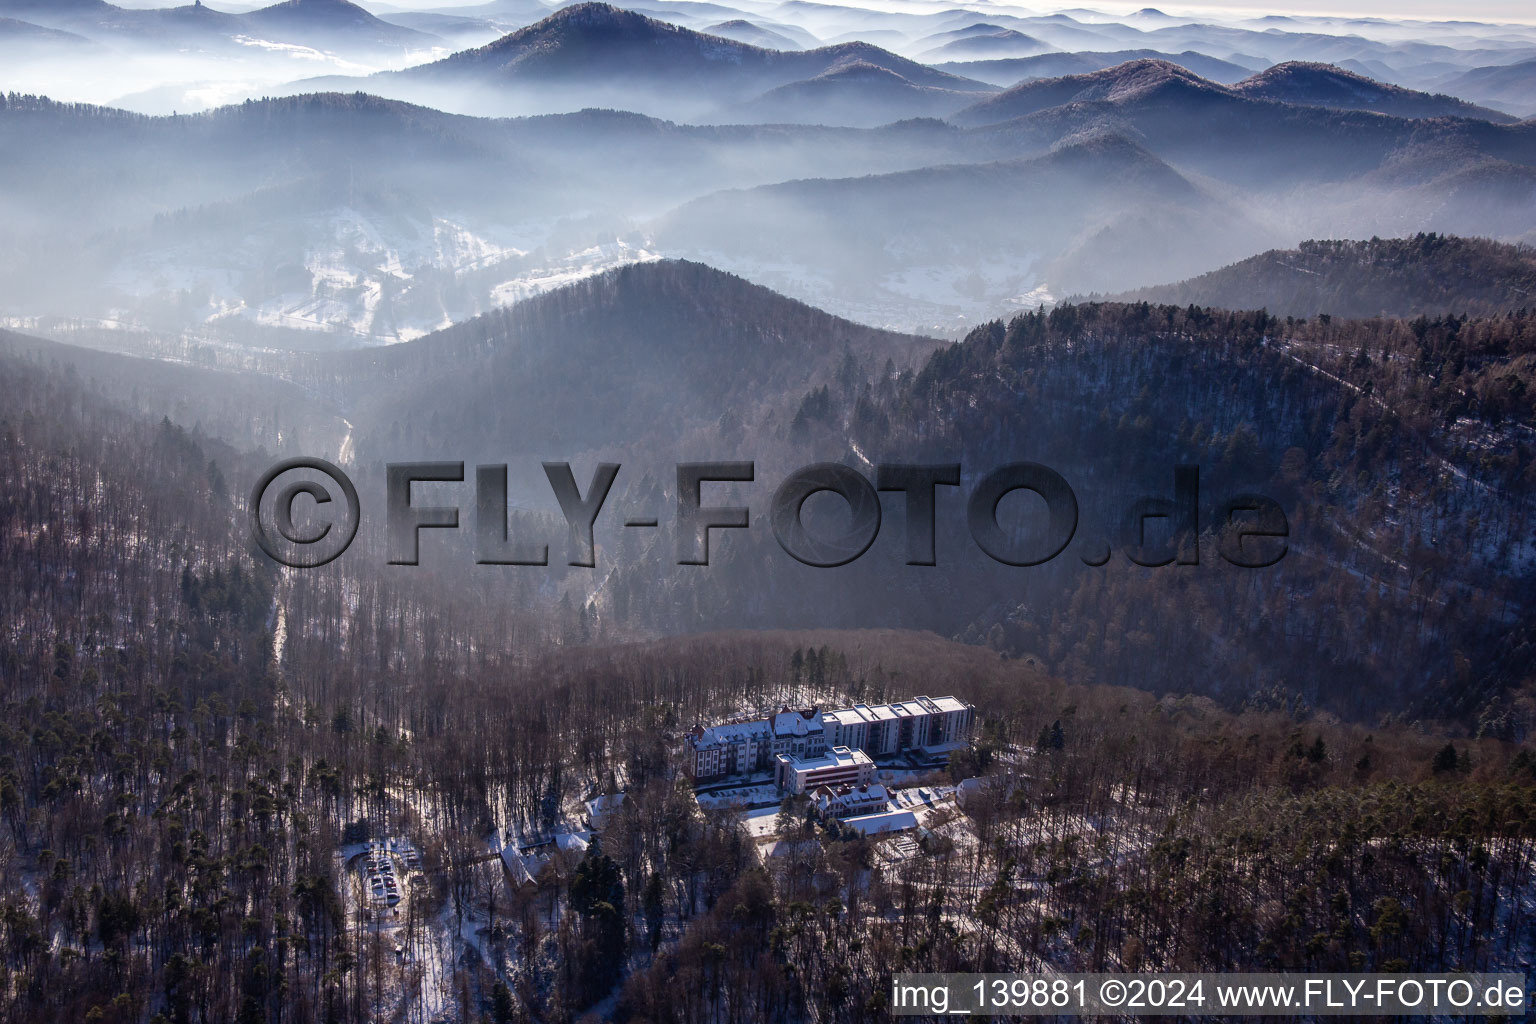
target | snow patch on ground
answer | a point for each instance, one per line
(568, 269)
(355, 275)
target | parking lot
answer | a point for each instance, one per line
(382, 864)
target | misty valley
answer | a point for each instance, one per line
(691, 512)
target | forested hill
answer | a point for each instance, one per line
(1400, 450)
(644, 354)
(1427, 274)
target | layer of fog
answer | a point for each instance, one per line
(340, 221)
(189, 74)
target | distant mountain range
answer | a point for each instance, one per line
(594, 54)
(1511, 87)
(858, 93)
(1098, 208)
(1298, 84)
(382, 220)
(743, 31)
(326, 23)
(1323, 85)
(1133, 81)
(327, 20)
(981, 42)
(848, 175)
(341, 38)
(1010, 72)
(13, 30)
(1204, 127)
(1426, 274)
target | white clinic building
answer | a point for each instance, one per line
(838, 767)
(874, 730)
(884, 729)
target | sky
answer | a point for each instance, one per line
(1523, 11)
(1434, 10)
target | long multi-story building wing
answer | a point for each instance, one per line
(878, 730)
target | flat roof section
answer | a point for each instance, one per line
(835, 757)
(870, 713)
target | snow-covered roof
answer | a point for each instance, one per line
(853, 794)
(730, 732)
(915, 707)
(517, 865)
(796, 723)
(573, 842)
(850, 716)
(601, 808)
(885, 821)
(605, 804)
(835, 757)
(809, 721)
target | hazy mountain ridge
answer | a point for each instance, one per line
(1510, 86)
(1112, 198)
(856, 93)
(1406, 277)
(991, 42)
(592, 190)
(234, 405)
(1323, 85)
(607, 55)
(338, 233)
(333, 19)
(1011, 72)
(673, 349)
(1293, 84)
(324, 166)
(744, 31)
(1358, 157)
(13, 30)
(460, 241)
(310, 22)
